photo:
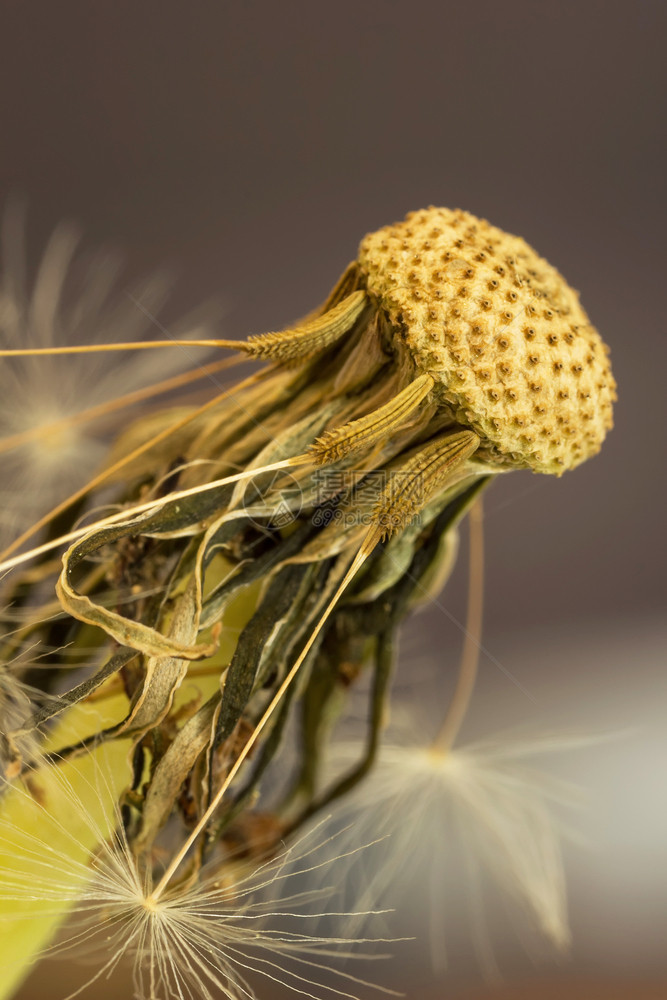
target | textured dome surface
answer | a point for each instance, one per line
(501, 331)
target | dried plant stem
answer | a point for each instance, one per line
(26, 352)
(458, 707)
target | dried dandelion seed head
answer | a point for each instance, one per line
(447, 353)
(504, 336)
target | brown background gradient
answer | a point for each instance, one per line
(250, 145)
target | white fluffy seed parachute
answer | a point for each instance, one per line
(479, 811)
(211, 934)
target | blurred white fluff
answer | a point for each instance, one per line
(477, 809)
(73, 299)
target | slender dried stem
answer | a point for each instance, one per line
(473, 635)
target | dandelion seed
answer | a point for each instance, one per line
(205, 937)
(48, 448)
(499, 812)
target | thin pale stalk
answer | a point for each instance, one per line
(28, 352)
(468, 669)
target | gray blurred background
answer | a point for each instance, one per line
(248, 147)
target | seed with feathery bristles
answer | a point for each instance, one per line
(200, 939)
